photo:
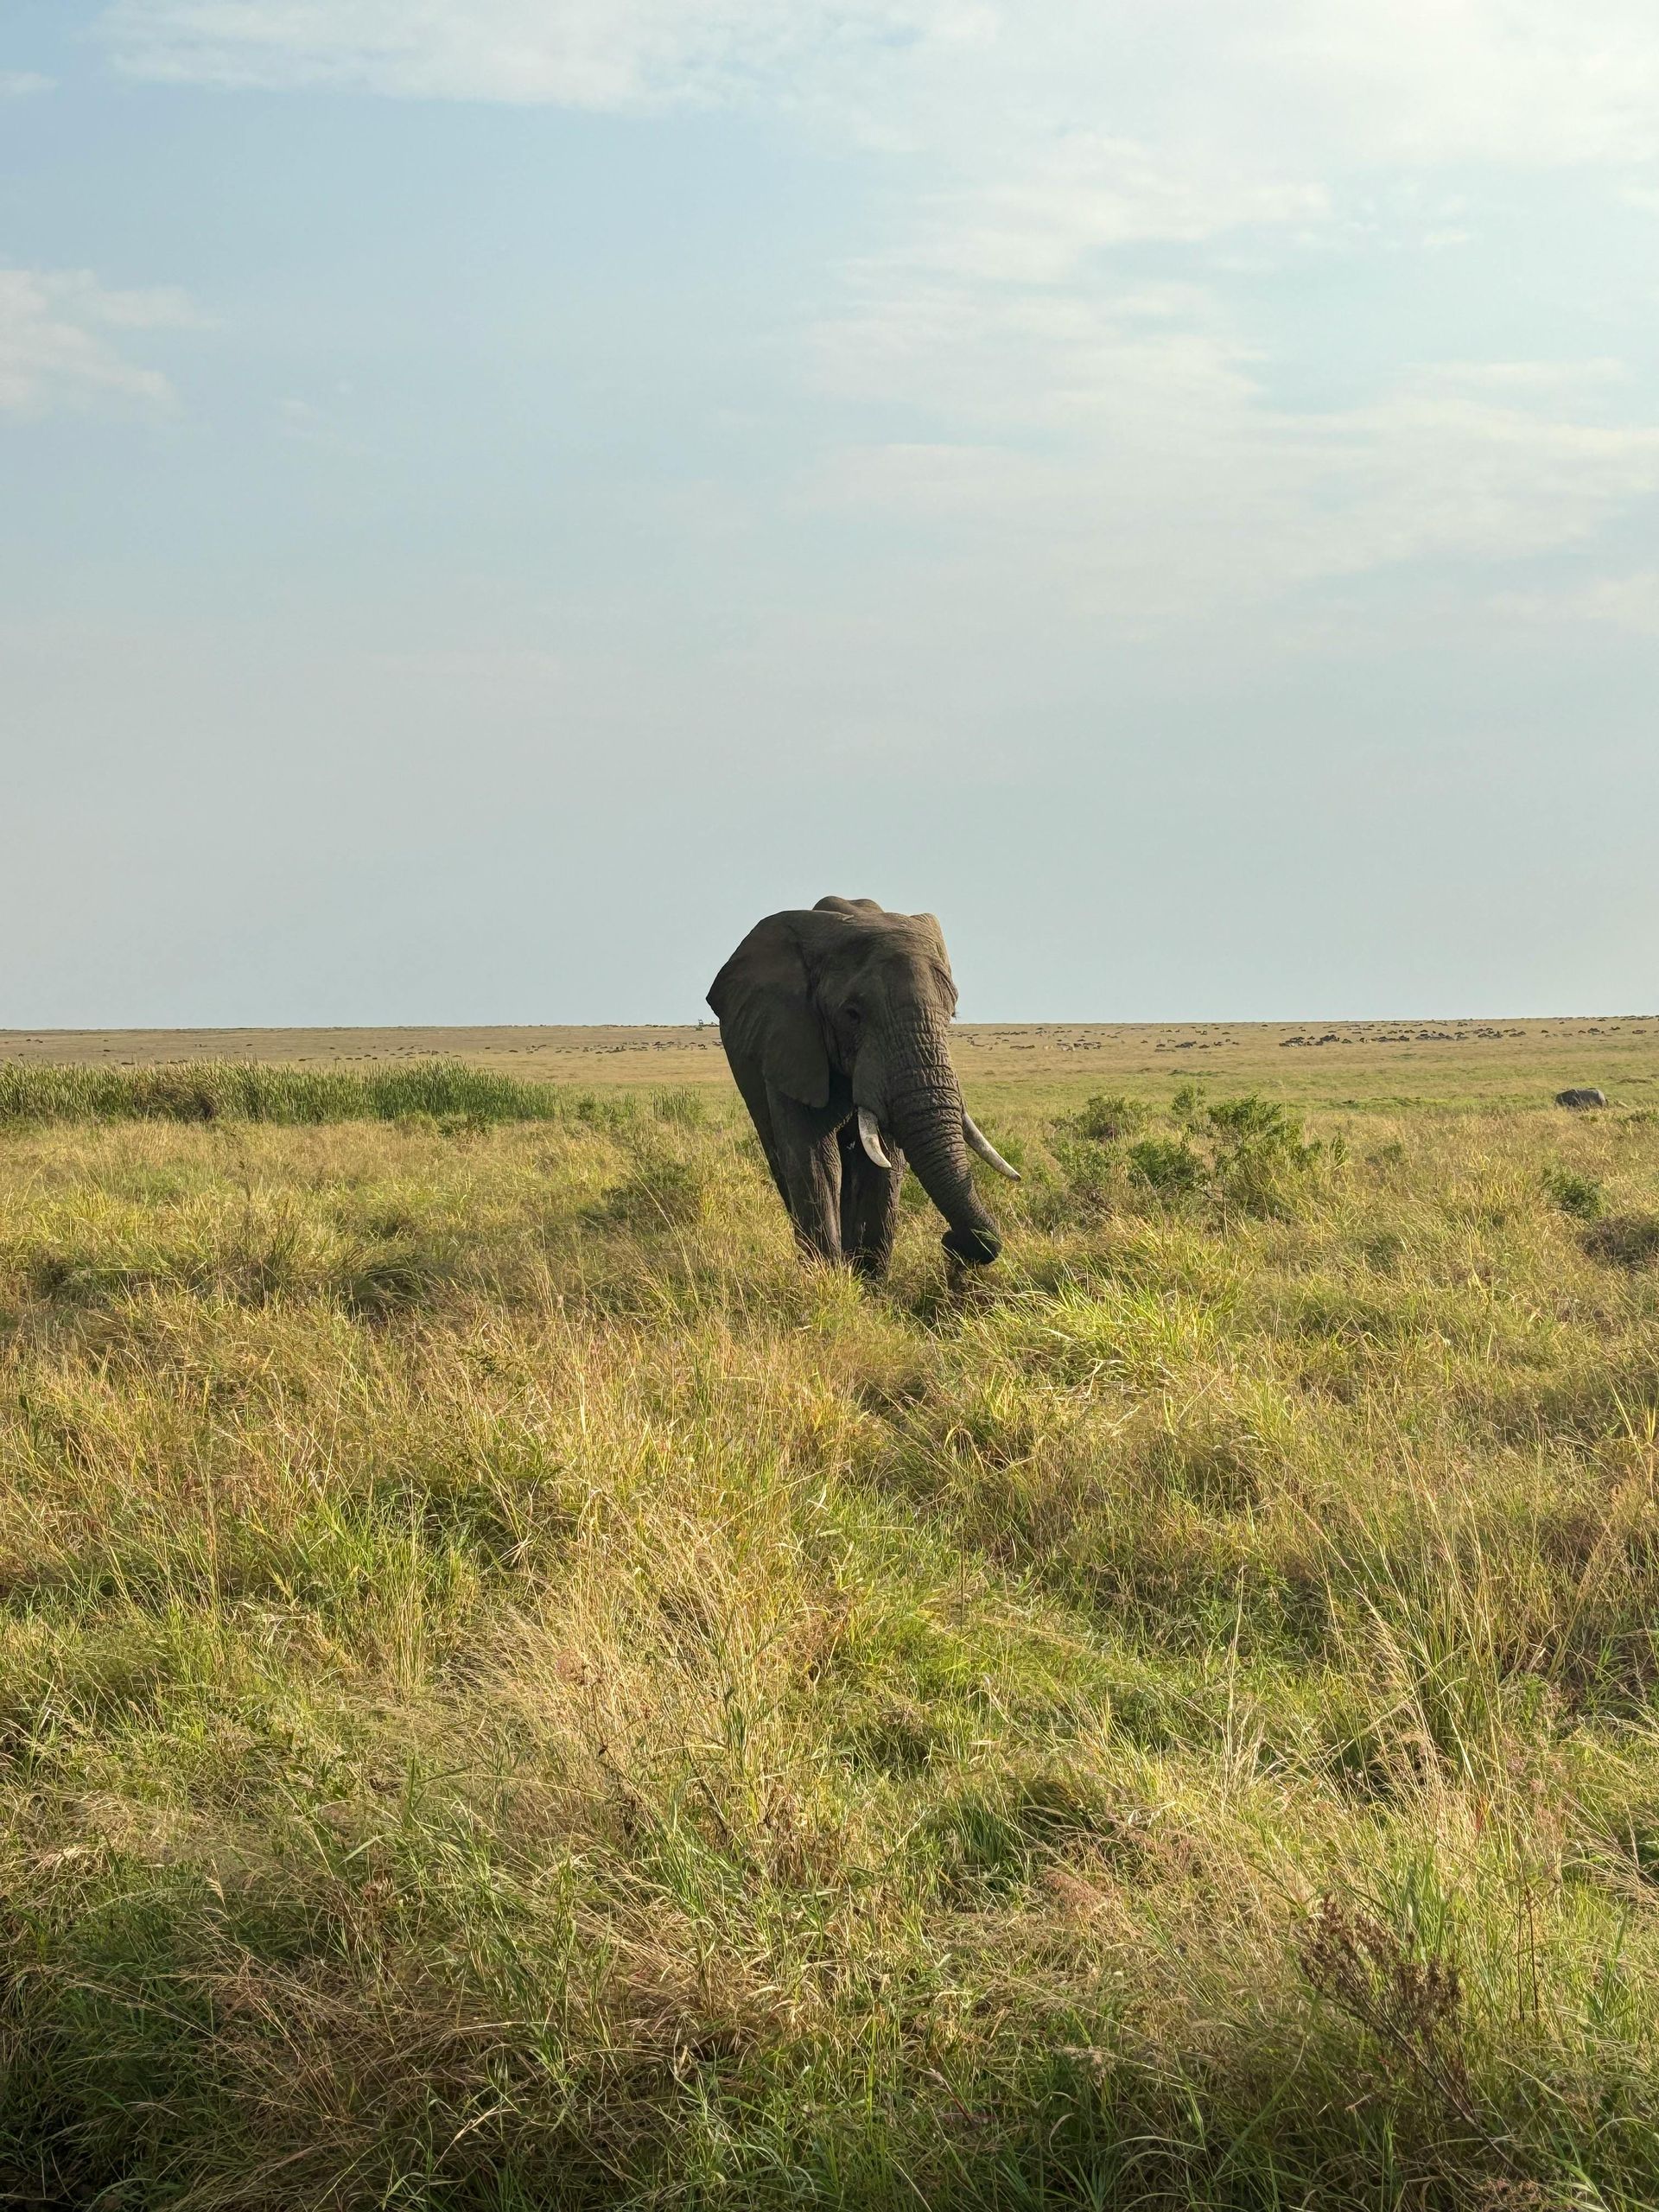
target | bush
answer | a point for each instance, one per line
(1260, 1151)
(1167, 1165)
(1246, 1154)
(1107, 1116)
(1186, 1105)
(1573, 1193)
(1255, 1120)
(1094, 1174)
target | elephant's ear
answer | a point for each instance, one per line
(929, 925)
(764, 1003)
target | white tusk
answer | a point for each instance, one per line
(982, 1145)
(870, 1137)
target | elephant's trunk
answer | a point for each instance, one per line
(924, 1112)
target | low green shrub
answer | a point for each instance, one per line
(1580, 1195)
(1093, 1174)
(1261, 1155)
(1167, 1165)
(1245, 1154)
(1106, 1116)
(1252, 1119)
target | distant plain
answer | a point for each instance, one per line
(1423, 1061)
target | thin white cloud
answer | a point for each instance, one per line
(56, 349)
(1120, 454)
(1273, 86)
(22, 84)
(1402, 84)
(1040, 217)
(591, 54)
(1629, 603)
(1113, 439)
(1113, 444)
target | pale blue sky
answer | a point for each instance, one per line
(496, 495)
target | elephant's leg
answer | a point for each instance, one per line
(870, 1204)
(809, 1172)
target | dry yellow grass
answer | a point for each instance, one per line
(513, 1692)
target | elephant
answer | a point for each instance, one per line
(835, 1020)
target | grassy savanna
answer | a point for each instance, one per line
(1023, 1065)
(515, 1692)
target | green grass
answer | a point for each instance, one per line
(514, 1692)
(231, 1090)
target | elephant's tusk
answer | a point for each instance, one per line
(870, 1137)
(982, 1145)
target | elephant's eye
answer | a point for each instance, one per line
(854, 1015)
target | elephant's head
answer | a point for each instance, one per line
(846, 1000)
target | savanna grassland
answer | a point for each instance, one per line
(515, 1692)
(1026, 1065)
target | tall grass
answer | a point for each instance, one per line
(515, 1692)
(212, 1090)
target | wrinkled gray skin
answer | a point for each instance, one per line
(841, 1006)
